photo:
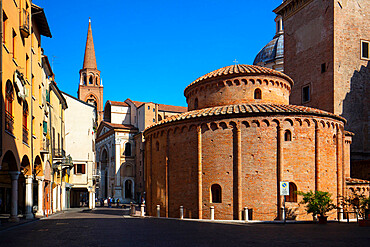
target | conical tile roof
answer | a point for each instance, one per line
(89, 59)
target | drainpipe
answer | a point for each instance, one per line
(1, 77)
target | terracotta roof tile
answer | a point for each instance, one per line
(248, 108)
(118, 103)
(242, 69)
(120, 126)
(172, 108)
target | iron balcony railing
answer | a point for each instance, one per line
(9, 122)
(25, 23)
(59, 153)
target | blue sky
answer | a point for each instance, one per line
(151, 50)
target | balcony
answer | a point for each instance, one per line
(58, 153)
(25, 135)
(45, 143)
(25, 23)
(9, 122)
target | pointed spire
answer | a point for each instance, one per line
(89, 59)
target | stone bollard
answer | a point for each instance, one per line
(142, 210)
(132, 209)
(212, 212)
(158, 211)
(283, 214)
(181, 212)
(340, 216)
(246, 216)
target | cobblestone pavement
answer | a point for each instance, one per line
(112, 227)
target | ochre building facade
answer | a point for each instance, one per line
(238, 140)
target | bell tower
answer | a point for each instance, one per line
(90, 89)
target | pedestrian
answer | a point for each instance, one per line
(118, 203)
(109, 202)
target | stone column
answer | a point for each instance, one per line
(29, 201)
(58, 197)
(90, 199)
(63, 196)
(14, 203)
(40, 183)
(200, 187)
(93, 202)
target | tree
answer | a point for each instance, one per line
(318, 202)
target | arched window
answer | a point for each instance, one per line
(292, 193)
(128, 149)
(9, 97)
(85, 79)
(216, 193)
(288, 136)
(96, 80)
(91, 80)
(196, 103)
(257, 94)
(159, 117)
(128, 189)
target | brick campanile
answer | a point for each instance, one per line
(90, 89)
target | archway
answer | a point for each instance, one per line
(104, 173)
(9, 164)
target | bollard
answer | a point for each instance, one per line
(158, 211)
(132, 209)
(246, 217)
(181, 212)
(142, 210)
(283, 213)
(340, 214)
(357, 212)
(212, 212)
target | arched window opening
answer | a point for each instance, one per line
(196, 103)
(96, 81)
(257, 94)
(288, 136)
(216, 193)
(159, 117)
(128, 149)
(157, 145)
(85, 79)
(9, 97)
(91, 80)
(292, 193)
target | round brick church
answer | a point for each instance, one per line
(238, 141)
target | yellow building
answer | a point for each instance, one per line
(23, 24)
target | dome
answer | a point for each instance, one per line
(272, 51)
(239, 70)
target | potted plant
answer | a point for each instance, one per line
(319, 203)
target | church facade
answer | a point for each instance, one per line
(120, 146)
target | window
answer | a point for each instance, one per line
(44, 127)
(24, 122)
(9, 97)
(159, 117)
(365, 49)
(216, 193)
(90, 80)
(84, 79)
(5, 22)
(128, 149)
(13, 43)
(80, 168)
(196, 103)
(306, 95)
(323, 68)
(292, 193)
(287, 136)
(257, 94)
